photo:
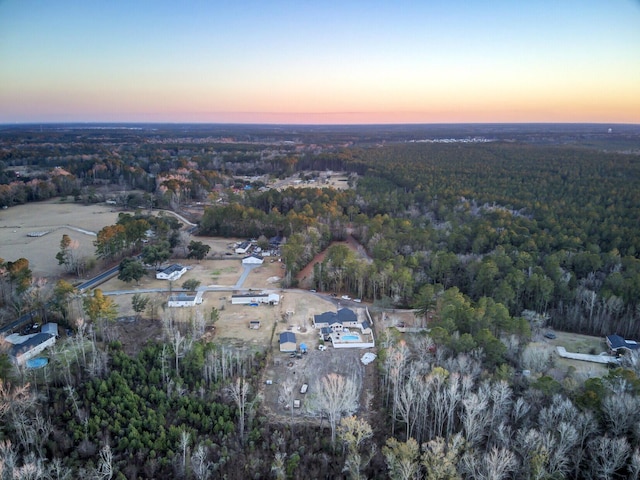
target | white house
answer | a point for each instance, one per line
(255, 298)
(172, 272)
(337, 321)
(30, 345)
(183, 300)
(243, 248)
(252, 260)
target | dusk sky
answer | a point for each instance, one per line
(342, 61)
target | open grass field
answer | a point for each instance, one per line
(80, 222)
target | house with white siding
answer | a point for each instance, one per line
(255, 298)
(183, 300)
(172, 272)
(29, 346)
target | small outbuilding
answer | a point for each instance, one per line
(51, 328)
(243, 248)
(254, 324)
(252, 260)
(288, 342)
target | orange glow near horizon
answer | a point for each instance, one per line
(424, 62)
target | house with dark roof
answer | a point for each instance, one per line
(288, 342)
(30, 346)
(171, 273)
(619, 345)
(337, 321)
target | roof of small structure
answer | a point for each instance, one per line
(50, 328)
(253, 257)
(287, 337)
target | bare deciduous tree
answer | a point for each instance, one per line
(277, 467)
(354, 431)
(606, 456)
(494, 465)
(402, 459)
(104, 470)
(440, 458)
(239, 391)
(336, 396)
(185, 439)
(621, 412)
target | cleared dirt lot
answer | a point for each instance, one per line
(57, 218)
(310, 369)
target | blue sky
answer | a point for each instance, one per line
(320, 62)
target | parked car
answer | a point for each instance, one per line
(550, 335)
(345, 297)
(304, 388)
(322, 348)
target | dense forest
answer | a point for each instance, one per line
(489, 242)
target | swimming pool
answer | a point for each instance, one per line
(37, 362)
(350, 338)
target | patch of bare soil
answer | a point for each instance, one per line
(309, 369)
(135, 334)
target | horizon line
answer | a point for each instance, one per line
(137, 122)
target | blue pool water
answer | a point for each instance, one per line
(350, 338)
(37, 362)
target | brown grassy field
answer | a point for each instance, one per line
(57, 218)
(232, 327)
